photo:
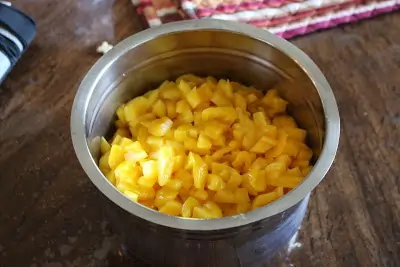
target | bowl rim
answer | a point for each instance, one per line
(324, 162)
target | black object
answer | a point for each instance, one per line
(17, 31)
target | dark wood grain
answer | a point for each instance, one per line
(50, 213)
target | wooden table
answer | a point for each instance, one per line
(51, 214)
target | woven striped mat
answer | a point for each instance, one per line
(286, 18)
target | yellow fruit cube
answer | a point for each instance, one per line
(184, 87)
(204, 142)
(218, 168)
(127, 186)
(240, 101)
(179, 162)
(147, 181)
(305, 154)
(249, 139)
(257, 180)
(226, 87)
(291, 148)
(296, 134)
(180, 134)
(152, 96)
(234, 181)
(182, 107)
(197, 120)
(274, 103)
(186, 178)
(185, 117)
(125, 142)
(279, 147)
(116, 156)
(159, 109)
(189, 161)
(193, 98)
(220, 99)
(278, 191)
(285, 181)
(259, 163)
(121, 114)
(155, 142)
(217, 155)
(224, 196)
(175, 184)
(202, 213)
(188, 205)
(213, 209)
(261, 120)
(305, 170)
(199, 194)
(127, 173)
(164, 195)
(142, 136)
(178, 147)
(190, 78)
(215, 182)
(135, 152)
(170, 91)
(103, 163)
(165, 164)
(270, 131)
(104, 146)
(243, 160)
(208, 159)
(264, 144)
(241, 195)
(200, 172)
(294, 172)
(264, 199)
(284, 122)
(243, 207)
(111, 177)
(159, 127)
(183, 195)
(274, 170)
(214, 129)
(246, 184)
(299, 163)
(191, 145)
(171, 109)
(135, 108)
(146, 193)
(224, 114)
(285, 159)
(149, 169)
(172, 208)
(206, 91)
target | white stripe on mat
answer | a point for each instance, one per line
(332, 15)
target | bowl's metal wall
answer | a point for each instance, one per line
(254, 245)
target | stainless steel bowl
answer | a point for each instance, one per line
(223, 49)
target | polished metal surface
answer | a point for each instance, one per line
(222, 49)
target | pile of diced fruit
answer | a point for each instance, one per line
(205, 148)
